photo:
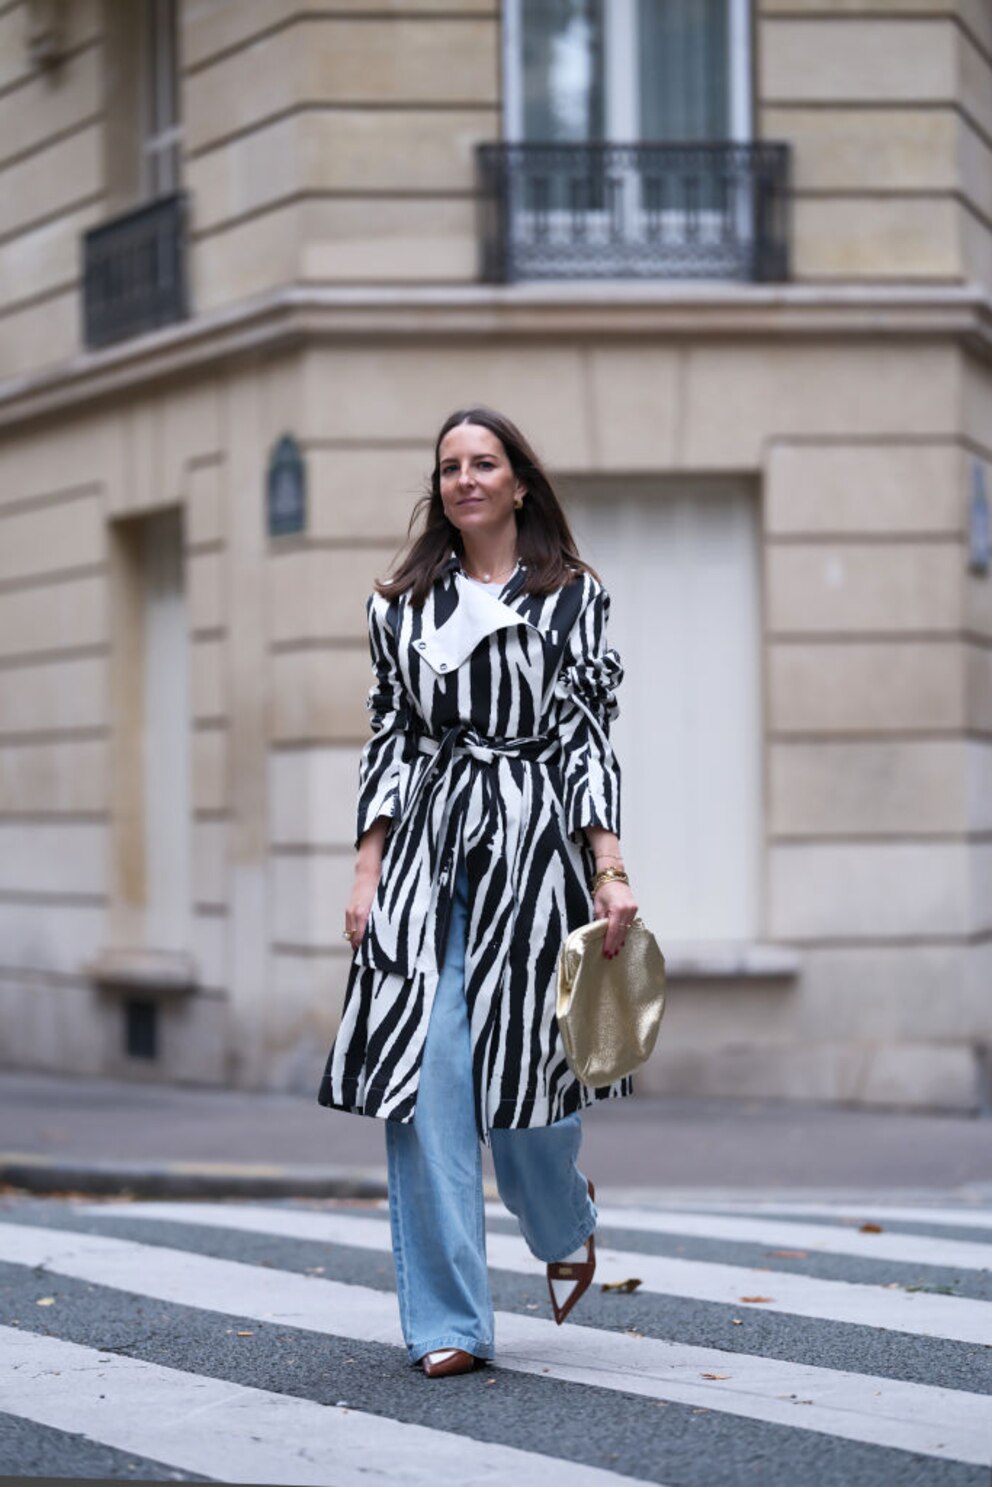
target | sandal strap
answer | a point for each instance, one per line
(571, 1269)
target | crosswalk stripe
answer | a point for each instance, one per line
(903, 1249)
(922, 1314)
(848, 1212)
(927, 1419)
(241, 1434)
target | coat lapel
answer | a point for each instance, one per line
(476, 615)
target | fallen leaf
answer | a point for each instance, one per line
(788, 1254)
(736, 1322)
(531, 1306)
(755, 1300)
(45, 1301)
(715, 1375)
(489, 1381)
(624, 1286)
(871, 1229)
(246, 1334)
(633, 1332)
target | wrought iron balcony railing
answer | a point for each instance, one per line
(134, 272)
(575, 211)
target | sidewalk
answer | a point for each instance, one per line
(102, 1136)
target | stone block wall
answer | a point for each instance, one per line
(888, 106)
(331, 147)
(335, 146)
(347, 154)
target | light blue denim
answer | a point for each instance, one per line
(435, 1181)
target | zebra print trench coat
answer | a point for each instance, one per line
(490, 745)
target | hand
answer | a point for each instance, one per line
(615, 903)
(356, 915)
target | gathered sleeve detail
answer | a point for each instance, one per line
(381, 766)
(586, 689)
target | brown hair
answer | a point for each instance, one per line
(544, 539)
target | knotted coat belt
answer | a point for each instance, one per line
(436, 796)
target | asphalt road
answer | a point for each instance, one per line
(772, 1343)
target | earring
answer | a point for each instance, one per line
(518, 502)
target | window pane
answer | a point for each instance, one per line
(562, 69)
(684, 69)
(161, 89)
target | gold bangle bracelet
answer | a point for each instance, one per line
(609, 875)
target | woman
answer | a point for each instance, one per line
(488, 798)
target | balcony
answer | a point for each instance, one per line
(643, 211)
(134, 272)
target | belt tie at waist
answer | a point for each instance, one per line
(403, 912)
(462, 741)
(459, 741)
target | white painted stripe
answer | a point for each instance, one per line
(968, 1217)
(947, 1423)
(956, 1319)
(239, 1434)
(902, 1249)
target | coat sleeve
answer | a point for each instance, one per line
(381, 765)
(586, 686)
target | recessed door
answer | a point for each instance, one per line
(681, 564)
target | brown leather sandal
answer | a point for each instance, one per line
(580, 1272)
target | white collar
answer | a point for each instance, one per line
(476, 615)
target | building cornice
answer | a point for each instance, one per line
(301, 315)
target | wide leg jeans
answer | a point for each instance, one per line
(436, 1208)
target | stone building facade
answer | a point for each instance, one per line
(780, 472)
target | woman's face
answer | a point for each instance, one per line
(478, 485)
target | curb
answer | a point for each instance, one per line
(34, 1173)
(31, 1172)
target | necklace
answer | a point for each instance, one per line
(489, 577)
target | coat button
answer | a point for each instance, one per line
(443, 666)
(421, 645)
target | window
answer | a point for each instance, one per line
(627, 148)
(627, 70)
(135, 260)
(142, 129)
(561, 49)
(681, 562)
(161, 132)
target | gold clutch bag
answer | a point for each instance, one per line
(609, 1011)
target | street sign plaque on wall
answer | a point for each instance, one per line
(286, 489)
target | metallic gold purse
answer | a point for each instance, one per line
(609, 1011)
